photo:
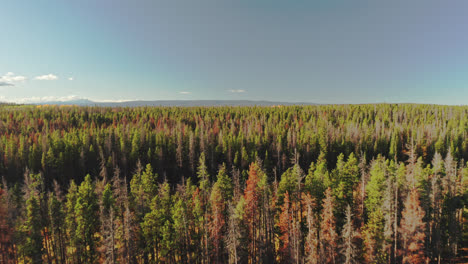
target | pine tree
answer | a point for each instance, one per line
(251, 210)
(412, 230)
(143, 186)
(318, 179)
(225, 183)
(328, 235)
(216, 222)
(157, 227)
(233, 236)
(56, 215)
(204, 185)
(390, 210)
(108, 225)
(451, 225)
(436, 199)
(32, 227)
(202, 173)
(6, 250)
(311, 241)
(87, 220)
(348, 250)
(290, 182)
(373, 231)
(181, 227)
(70, 223)
(125, 220)
(285, 228)
(373, 236)
(166, 227)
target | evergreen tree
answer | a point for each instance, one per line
(216, 222)
(262, 214)
(108, 225)
(71, 223)
(412, 230)
(348, 249)
(233, 236)
(317, 179)
(180, 220)
(251, 210)
(311, 241)
(328, 235)
(373, 232)
(32, 227)
(202, 173)
(56, 215)
(5, 231)
(87, 220)
(285, 228)
(225, 183)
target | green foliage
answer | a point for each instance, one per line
(108, 200)
(225, 183)
(143, 187)
(188, 216)
(202, 173)
(290, 182)
(87, 219)
(32, 227)
(376, 186)
(318, 179)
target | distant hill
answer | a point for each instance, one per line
(86, 102)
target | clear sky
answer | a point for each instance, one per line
(299, 51)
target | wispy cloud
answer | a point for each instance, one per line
(112, 100)
(44, 99)
(237, 91)
(10, 78)
(5, 84)
(62, 99)
(47, 77)
(184, 92)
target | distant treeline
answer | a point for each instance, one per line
(67, 143)
(297, 184)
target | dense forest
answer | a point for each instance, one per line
(288, 184)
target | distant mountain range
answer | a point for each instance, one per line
(86, 102)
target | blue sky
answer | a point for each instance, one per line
(298, 51)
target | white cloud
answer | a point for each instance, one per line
(237, 91)
(70, 78)
(184, 92)
(43, 99)
(10, 78)
(5, 84)
(47, 77)
(46, 99)
(112, 100)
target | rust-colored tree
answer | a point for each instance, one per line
(285, 227)
(311, 240)
(252, 198)
(348, 248)
(412, 230)
(216, 223)
(5, 232)
(328, 235)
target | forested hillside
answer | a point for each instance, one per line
(288, 184)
